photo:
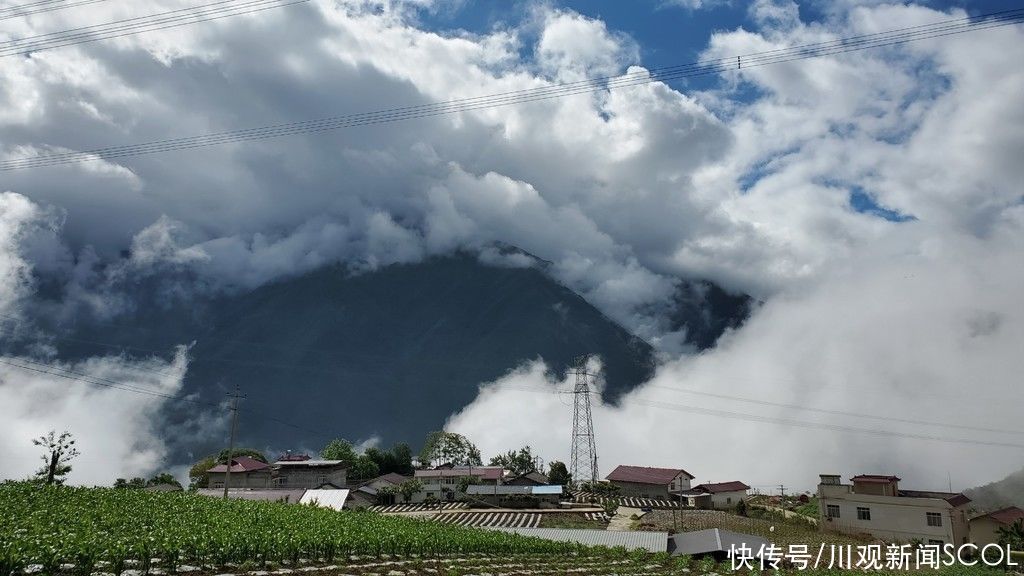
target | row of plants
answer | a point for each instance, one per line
(50, 526)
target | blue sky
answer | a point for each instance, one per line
(666, 33)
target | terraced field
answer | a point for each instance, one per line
(485, 519)
(630, 502)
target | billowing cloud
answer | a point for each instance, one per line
(933, 335)
(815, 185)
(120, 434)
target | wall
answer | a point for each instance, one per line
(727, 500)
(894, 519)
(311, 477)
(257, 479)
(637, 490)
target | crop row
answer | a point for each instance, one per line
(53, 526)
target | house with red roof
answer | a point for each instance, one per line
(246, 472)
(646, 482)
(985, 528)
(875, 504)
(720, 495)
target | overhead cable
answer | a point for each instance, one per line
(718, 66)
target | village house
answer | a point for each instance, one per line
(644, 482)
(717, 495)
(533, 478)
(506, 496)
(309, 473)
(876, 505)
(441, 483)
(985, 528)
(246, 472)
(372, 488)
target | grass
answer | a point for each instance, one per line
(569, 521)
(810, 509)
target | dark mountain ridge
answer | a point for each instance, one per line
(389, 353)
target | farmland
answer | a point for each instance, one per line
(51, 526)
(83, 531)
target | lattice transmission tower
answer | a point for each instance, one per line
(583, 465)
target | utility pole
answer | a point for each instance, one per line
(584, 449)
(231, 437)
(782, 490)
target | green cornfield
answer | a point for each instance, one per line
(81, 530)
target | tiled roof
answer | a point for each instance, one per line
(289, 496)
(714, 540)
(391, 478)
(310, 463)
(734, 486)
(954, 498)
(241, 464)
(645, 475)
(875, 478)
(1006, 515)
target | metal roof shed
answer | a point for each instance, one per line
(714, 541)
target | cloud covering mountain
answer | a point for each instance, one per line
(872, 200)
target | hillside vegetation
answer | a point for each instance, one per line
(1006, 492)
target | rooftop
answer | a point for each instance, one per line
(714, 540)
(718, 487)
(309, 463)
(1006, 515)
(505, 490)
(485, 472)
(646, 475)
(240, 465)
(954, 498)
(875, 478)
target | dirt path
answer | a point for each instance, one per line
(622, 521)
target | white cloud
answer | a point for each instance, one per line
(931, 335)
(119, 433)
(625, 192)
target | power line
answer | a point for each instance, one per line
(29, 5)
(5, 13)
(836, 412)
(765, 58)
(793, 422)
(138, 25)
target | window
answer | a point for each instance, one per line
(728, 500)
(863, 513)
(832, 511)
(934, 518)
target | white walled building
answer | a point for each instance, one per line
(646, 482)
(876, 505)
(724, 495)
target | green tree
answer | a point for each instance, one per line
(1012, 535)
(386, 495)
(222, 457)
(741, 507)
(163, 478)
(398, 459)
(133, 484)
(340, 449)
(516, 462)
(449, 448)
(409, 488)
(363, 468)
(559, 474)
(59, 451)
(198, 475)
(466, 481)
